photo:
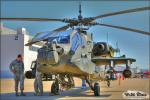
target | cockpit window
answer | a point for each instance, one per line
(60, 39)
(64, 39)
(33, 65)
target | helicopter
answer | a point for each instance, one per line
(55, 56)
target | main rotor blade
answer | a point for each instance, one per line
(42, 36)
(122, 12)
(49, 33)
(32, 19)
(125, 28)
(62, 28)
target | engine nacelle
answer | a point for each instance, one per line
(100, 48)
(29, 75)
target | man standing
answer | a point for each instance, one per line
(17, 68)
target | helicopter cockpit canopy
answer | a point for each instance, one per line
(55, 46)
(61, 37)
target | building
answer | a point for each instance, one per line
(13, 43)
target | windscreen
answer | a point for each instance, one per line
(51, 35)
(61, 37)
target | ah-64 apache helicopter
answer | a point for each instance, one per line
(57, 57)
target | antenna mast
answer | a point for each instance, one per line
(118, 48)
(80, 11)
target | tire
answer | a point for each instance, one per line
(127, 73)
(96, 89)
(55, 88)
(28, 74)
(52, 87)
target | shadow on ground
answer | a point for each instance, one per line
(73, 94)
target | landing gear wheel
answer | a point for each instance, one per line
(96, 89)
(55, 88)
(127, 73)
(28, 74)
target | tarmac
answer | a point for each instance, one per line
(115, 90)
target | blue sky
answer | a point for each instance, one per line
(132, 44)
